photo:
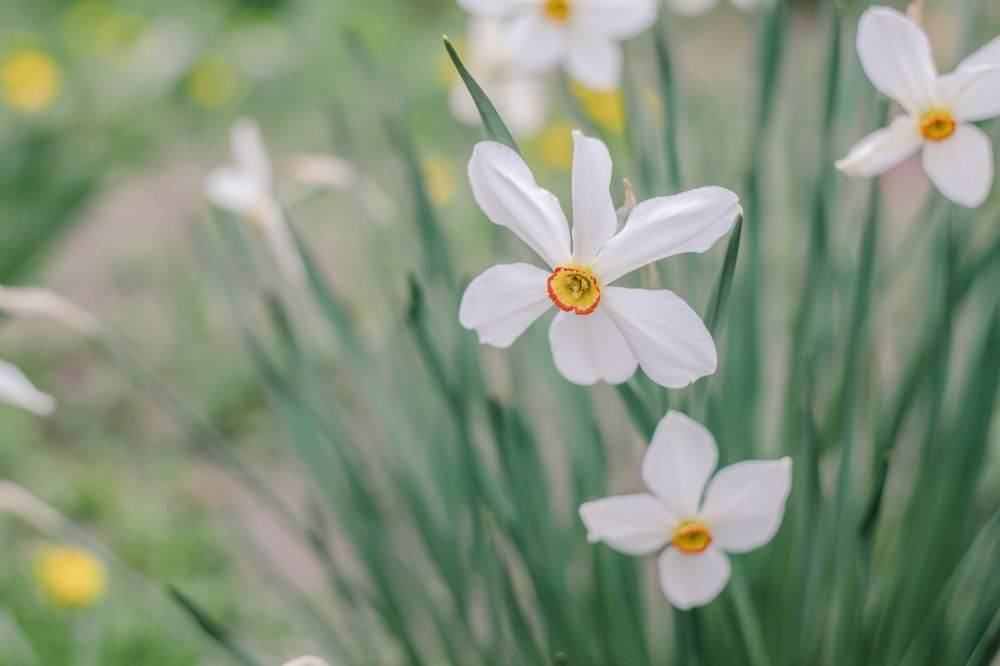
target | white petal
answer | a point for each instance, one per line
(233, 190)
(536, 43)
(489, 7)
(248, 150)
(679, 460)
(897, 58)
(987, 55)
(618, 19)
(634, 524)
(662, 227)
(693, 579)
(594, 216)
(523, 102)
(589, 348)
(692, 7)
(502, 302)
(595, 61)
(883, 149)
(667, 337)
(744, 503)
(18, 391)
(505, 189)
(961, 166)
(972, 94)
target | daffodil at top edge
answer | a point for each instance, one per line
(582, 35)
(601, 332)
(689, 516)
(246, 188)
(939, 110)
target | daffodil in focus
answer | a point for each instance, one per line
(521, 97)
(70, 577)
(601, 332)
(246, 188)
(30, 78)
(583, 35)
(696, 520)
(938, 109)
(18, 391)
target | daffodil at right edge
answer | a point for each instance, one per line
(602, 332)
(938, 109)
(694, 518)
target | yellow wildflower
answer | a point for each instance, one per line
(30, 79)
(606, 109)
(441, 179)
(213, 82)
(555, 146)
(70, 577)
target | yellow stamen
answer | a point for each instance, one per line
(692, 536)
(575, 289)
(557, 10)
(937, 125)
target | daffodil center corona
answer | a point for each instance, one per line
(692, 536)
(557, 10)
(575, 289)
(937, 125)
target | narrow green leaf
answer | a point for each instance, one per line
(494, 125)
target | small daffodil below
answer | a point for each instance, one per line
(939, 110)
(601, 332)
(583, 35)
(689, 515)
(70, 577)
(246, 188)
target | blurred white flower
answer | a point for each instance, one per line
(741, 510)
(17, 390)
(698, 7)
(582, 34)
(18, 501)
(939, 109)
(307, 660)
(603, 332)
(521, 98)
(46, 304)
(246, 188)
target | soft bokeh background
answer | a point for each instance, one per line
(102, 154)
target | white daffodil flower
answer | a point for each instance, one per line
(939, 109)
(698, 7)
(18, 391)
(521, 98)
(602, 332)
(741, 510)
(582, 34)
(246, 188)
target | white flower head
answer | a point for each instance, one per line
(521, 97)
(938, 109)
(697, 519)
(246, 188)
(582, 34)
(18, 391)
(602, 332)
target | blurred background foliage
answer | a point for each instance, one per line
(110, 112)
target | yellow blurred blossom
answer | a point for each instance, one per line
(555, 146)
(100, 29)
(213, 81)
(441, 178)
(30, 79)
(606, 109)
(70, 577)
